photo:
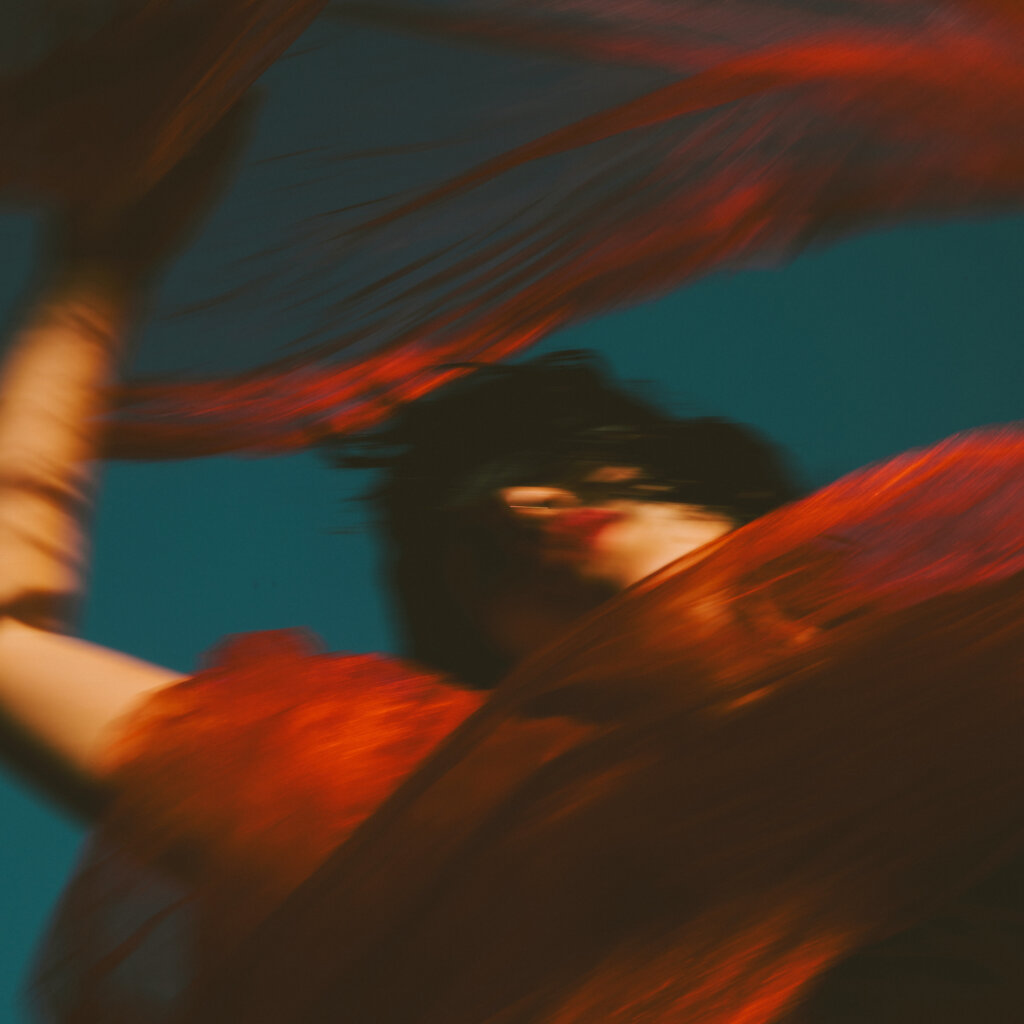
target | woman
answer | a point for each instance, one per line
(503, 542)
(495, 538)
(756, 935)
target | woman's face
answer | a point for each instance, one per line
(547, 554)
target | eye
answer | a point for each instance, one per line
(540, 500)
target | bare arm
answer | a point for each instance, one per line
(60, 697)
(53, 386)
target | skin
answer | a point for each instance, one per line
(566, 555)
(62, 699)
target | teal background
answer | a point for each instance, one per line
(846, 356)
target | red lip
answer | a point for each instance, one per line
(580, 527)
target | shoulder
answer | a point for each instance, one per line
(289, 668)
(276, 750)
(282, 682)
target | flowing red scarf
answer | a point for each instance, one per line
(572, 156)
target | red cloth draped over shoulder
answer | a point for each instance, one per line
(756, 762)
(232, 787)
(779, 777)
(569, 158)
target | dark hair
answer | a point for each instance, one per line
(534, 422)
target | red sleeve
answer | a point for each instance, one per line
(244, 777)
(231, 787)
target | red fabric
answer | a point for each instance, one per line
(803, 741)
(120, 90)
(576, 156)
(233, 787)
(699, 806)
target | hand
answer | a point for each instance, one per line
(131, 241)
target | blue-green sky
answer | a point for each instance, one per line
(848, 355)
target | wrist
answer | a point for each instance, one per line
(100, 297)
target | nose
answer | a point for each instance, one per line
(537, 502)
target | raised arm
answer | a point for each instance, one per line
(60, 696)
(57, 372)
